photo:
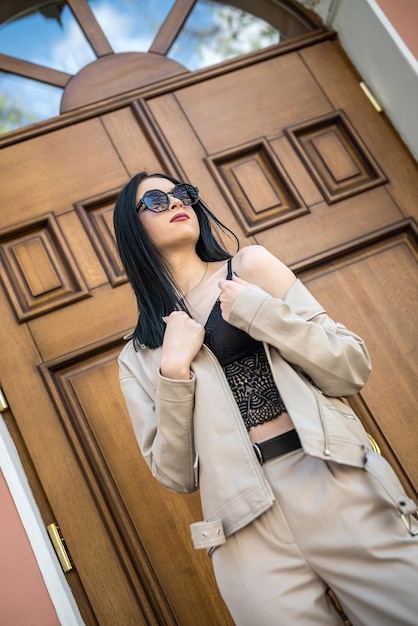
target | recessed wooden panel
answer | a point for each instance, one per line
(328, 228)
(336, 76)
(97, 216)
(374, 292)
(39, 272)
(146, 521)
(256, 101)
(336, 157)
(78, 161)
(259, 190)
(33, 260)
(134, 136)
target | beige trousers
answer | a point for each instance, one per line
(331, 526)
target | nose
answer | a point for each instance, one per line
(174, 202)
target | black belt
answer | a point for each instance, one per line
(277, 446)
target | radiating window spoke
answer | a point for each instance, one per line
(216, 31)
(48, 35)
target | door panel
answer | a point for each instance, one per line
(289, 154)
(327, 228)
(85, 256)
(148, 525)
(132, 550)
(350, 203)
(375, 290)
(343, 215)
(78, 514)
(126, 129)
(256, 101)
(337, 77)
(48, 173)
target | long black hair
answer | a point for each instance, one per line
(148, 273)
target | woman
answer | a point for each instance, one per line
(231, 378)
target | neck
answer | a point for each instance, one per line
(188, 271)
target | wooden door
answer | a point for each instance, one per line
(287, 151)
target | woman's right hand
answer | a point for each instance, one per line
(183, 339)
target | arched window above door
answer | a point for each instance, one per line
(58, 55)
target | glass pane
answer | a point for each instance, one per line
(216, 31)
(24, 101)
(130, 25)
(49, 36)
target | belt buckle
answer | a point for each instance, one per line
(258, 453)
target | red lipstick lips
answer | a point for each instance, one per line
(179, 217)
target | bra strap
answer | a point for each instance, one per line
(229, 275)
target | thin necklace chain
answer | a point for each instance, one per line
(200, 281)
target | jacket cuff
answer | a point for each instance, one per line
(176, 390)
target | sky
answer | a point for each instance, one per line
(213, 32)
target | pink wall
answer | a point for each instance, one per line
(24, 599)
(403, 14)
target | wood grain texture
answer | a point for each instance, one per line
(88, 24)
(33, 71)
(114, 74)
(172, 26)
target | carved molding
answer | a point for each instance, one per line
(96, 215)
(336, 157)
(256, 186)
(328, 257)
(39, 271)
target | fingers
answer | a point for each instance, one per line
(176, 316)
(181, 322)
(179, 317)
(183, 339)
(223, 282)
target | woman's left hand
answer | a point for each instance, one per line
(230, 290)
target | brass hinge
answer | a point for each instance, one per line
(374, 445)
(371, 97)
(3, 402)
(61, 549)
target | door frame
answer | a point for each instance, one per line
(391, 69)
(55, 582)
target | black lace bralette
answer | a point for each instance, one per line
(246, 367)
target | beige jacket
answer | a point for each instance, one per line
(192, 435)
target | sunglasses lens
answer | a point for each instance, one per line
(156, 200)
(186, 193)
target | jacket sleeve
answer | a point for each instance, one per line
(162, 418)
(332, 356)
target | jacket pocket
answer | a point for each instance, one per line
(339, 421)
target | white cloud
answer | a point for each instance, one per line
(121, 29)
(72, 52)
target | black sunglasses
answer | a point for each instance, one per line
(158, 201)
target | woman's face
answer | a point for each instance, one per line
(177, 226)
